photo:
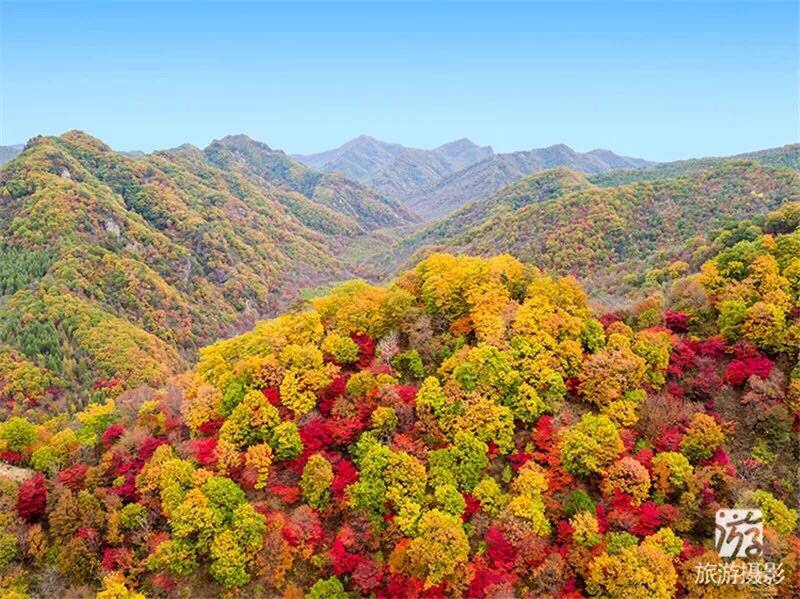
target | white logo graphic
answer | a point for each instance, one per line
(739, 533)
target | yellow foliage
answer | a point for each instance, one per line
(643, 571)
(114, 587)
(259, 457)
(440, 547)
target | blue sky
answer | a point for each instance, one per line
(657, 80)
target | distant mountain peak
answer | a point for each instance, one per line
(462, 146)
(242, 140)
(562, 147)
(393, 169)
(79, 137)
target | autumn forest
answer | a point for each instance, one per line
(233, 372)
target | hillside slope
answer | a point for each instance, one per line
(540, 187)
(485, 178)
(784, 157)
(120, 268)
(472, 430)
(595, 232)
(239, 153)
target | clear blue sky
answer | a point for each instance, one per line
(657, 80)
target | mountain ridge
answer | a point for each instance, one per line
(594, 231)
(396, 170)
(115, 267)
(489, 176)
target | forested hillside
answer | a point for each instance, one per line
(540, 187)
(472, 430)
(114, 270)
(487, 177)
(239, 153)
(612, 237)
(787, 156)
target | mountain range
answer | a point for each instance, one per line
(436, 182)
(395, 170)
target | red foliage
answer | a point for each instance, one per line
(519, 459)
(500, 552)
(706, 384)
(690, 551)
(492, 450)
(292, 534)
(106, 384)
(645, 458)
(164, 582)
(211, 428)
(113, 432)
(677, 322)
(367, 576)
(473, 507)
(675, 390)
(366, 349)
(573, 384)
(564, 532)
(91, 535)
(345, 431)
(668, 512)
(623, 514)
(407, 394)
(483, 579)
(628, 437)
(12, 457)
(740, 370)
(316, 435)
(205, 451)
(127, 491)
(306, 526)
(149, 447)
(435, 592)
(330, 393)
(608, 319)
(713, 347)
(172, 424)
(73, 477)
(648, 520)
(543, 435)
(343, 561)
(273, 395)
(400, 587)
(288, 495)
(344, 475)
(117, 558)
(570, 589)
(602, 520)
(719, 458)
(32, 499)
